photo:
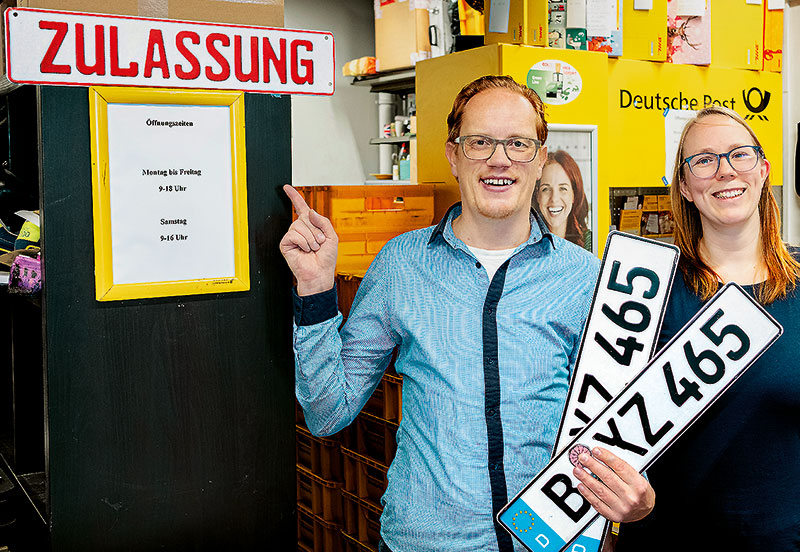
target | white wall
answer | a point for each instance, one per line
(330, 134)
(791, 110)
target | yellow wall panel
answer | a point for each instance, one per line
(639, 93)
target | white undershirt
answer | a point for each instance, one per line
(491, 259)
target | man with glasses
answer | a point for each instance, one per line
(486, 311)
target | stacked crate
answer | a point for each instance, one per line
(340, 479)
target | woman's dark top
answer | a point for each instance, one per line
(732, 481)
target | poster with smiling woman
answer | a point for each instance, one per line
(565, 194)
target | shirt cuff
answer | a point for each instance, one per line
(313, 309)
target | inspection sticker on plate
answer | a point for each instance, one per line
(703, 360)
(619, 338)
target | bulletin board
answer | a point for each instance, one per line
(169, 192)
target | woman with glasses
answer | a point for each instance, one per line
(732, 481)
(560, 199)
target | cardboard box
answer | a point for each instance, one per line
(630, 221)
(644, 32)
(516, 22)
(262, 13)
(401, 34)
(740, 49)
(773, 39)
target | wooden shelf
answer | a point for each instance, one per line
(403, 80)
(392, 140)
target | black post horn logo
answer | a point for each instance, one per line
(755, 110)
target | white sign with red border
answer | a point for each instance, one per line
(82, 49)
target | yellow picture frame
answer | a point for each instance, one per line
(105, 287)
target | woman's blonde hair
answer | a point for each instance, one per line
(782, 270)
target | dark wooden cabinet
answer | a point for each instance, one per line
(163, 424)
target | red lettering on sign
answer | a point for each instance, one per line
(156, 41)
(307, 64)
(99, 66)
(225, 68)
(237, 59)
(270, 58)
(113, 41)
(190, 57)
(47, 65)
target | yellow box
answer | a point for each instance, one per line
(664, 203)
(737, 29)
(401, 34)
(527, 23)
(366, 217)
(470, 20)
(630, 221)
(644, 32)
(650, 203)
(772, 54)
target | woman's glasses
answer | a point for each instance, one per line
(706, 164)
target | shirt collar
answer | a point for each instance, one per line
(444, 229)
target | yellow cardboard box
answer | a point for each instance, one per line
(644, 32)
(740, 49)
(516, 22)
(401, 34)
(772, 54)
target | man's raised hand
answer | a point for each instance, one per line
(310, 247)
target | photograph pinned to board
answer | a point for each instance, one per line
(169, 192)
(566, 193)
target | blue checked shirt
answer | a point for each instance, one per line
(485, 366)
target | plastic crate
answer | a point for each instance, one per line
(374, 437)
(346, 288)
(323, 498)
(321, 455)
(315, 534)
(365, 217)
(387, 400)
(352, 544)
(362, 520)
(364, 477)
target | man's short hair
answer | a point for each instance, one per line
(489, 82)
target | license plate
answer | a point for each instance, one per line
(703, 360)
(619, 338)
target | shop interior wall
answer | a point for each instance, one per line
(791, 87)
(330, 134)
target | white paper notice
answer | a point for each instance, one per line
(775, 4)
(576, 14)
(674, 122)
(171, 182)
(601, 17)
(498, 16)
(690, 7)
(642, 4)
(755, 2)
